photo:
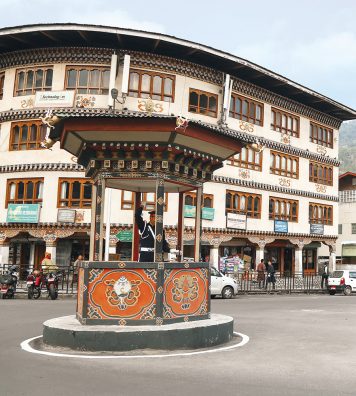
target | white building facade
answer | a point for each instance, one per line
(283, 186)
(346, 242)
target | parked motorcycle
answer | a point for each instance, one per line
(9, 282)
(37, 281)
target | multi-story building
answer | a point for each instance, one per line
(277, 198)
(346, 242)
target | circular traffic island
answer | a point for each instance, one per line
(67, 332)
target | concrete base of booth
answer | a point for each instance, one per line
(67, 332)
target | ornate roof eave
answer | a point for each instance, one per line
(23, 227)
(44, 35)
(270, 187)
(219, 129)
(163, 63)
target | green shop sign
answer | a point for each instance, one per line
(124, 236)
(207, 213)
(24, 213)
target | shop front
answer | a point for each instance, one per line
(282, 255)
(310, 258)
(238, 255)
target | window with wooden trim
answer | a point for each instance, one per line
(283, 209)
(31, 80)
(284, 165)
(203, 102)
(88, 80)
(24, 191)
(321, 173)
(127, 200)
(246, 109)
(157, 86)
(284, 122)
(190, 198)
(27, 135)
(74, 193)
(243, 203)
(248, 159)
(321, 135)
(2, 80)
(320, 214)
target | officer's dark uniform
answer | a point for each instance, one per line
(147, 240)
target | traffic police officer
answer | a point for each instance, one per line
(148, 236)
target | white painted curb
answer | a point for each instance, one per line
(25, 345)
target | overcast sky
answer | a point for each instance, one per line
(312, 42)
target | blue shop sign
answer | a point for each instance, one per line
(280, 226)
(23, 213)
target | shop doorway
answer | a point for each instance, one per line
(288, 261)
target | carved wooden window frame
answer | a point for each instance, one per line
(320, 214)
(284, 122)
(193, 196)
(324, 173)
(149, 205)
(29, 73)
(321, 135)
(70, 202)
(34, 134)
(99, 88)
(246, 109)
(283, 209)
(285, 165)
(244, 160)
(239, 203)
(199, 109)
(37, 191)
(139, 92)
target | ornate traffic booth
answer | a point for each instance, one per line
(144, 153)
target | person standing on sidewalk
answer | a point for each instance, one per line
(271, 275)
(261, 277)
(324, 276)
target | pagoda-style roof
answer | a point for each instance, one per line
(130, 149)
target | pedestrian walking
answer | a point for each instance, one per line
(271, 279)
(261, 277)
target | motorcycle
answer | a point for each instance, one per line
(38, 281)
(9, 282)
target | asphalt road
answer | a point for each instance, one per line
(299, 345)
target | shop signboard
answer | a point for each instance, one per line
(280, 226)
(317, 229)
(66, 216)
(124, 236)
(206, 213)
(236, 221)
(52, 99)
(23, 213)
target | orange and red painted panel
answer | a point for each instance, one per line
(185, 293)
(122, 294)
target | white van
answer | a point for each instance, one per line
(221, 284)
(342, 281)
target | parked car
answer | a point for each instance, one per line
(342, 281)
(221, 284)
